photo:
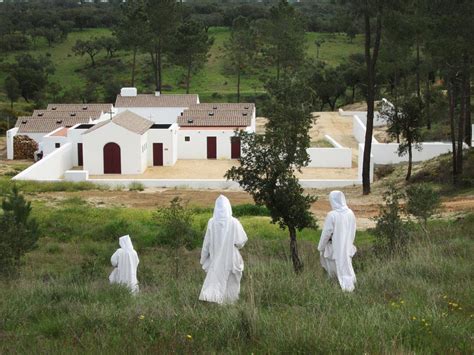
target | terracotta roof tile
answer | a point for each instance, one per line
(223, 106)
(42, 114)
(79, 107)
(127, 120)
(151, 100)
(28, 124)
(215, 118)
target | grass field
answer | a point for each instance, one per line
(61, 301)
(211, 83)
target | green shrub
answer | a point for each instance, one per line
(18, 231)
(136, 186)
(422, 202)
(391, 232)
(176, 230)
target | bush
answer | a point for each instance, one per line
(136, 186)
(391, 232)
(422, 202)
(18, 231)
(383, 171)
(176, 230)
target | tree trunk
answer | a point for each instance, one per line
(418, 90)
(371, 60)
(188, 78)
(452, 103)
(427, 104)
(238, 84)
(353, 94)
(297, 264)
(461, 124)
(467, 98)
(154, 65)
(159, 69)
(133, 65)
(410, 161)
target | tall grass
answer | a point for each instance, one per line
(420, 302)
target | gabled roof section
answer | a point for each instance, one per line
(215, 118)
(29, 124)
(152, 100)
(128, 120)
(223, 106)
(44, 114)
(79, 107)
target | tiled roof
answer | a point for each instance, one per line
(127, 120)
(151, 100)
(79, 107)
(42, 114)
(223, 106)
(28, 124)
(215, 118)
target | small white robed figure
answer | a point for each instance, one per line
(220, 257)
(336, 245)
(125, 262)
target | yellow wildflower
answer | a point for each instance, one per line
(189, 336)
(445, 296)
(414, 318)
(402, 301)
(142, 317)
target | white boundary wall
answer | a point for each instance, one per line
(337, 157)
(387, 153)
(378, 121)
(358, 130)
(51, 167)
(11, 133)
(215, 183)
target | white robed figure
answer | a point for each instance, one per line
(125, 262)
(220, 257)
(336, 245)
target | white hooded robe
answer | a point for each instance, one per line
(125, 262)
(336, 245)
(220, 257)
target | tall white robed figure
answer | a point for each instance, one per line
(125, 261)
(336, 245)
(220, 257)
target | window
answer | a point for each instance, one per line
(57, 145)
(187, 139)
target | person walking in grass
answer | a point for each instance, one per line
(220, 257)
(336, 245)
(125, 262)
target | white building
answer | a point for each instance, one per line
(140, 132)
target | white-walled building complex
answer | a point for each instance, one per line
(139, 131)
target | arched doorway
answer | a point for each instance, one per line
(112, 163)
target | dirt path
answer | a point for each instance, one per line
(364, 207)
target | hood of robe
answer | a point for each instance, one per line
(222, 208)
(338, 201)
(125, 242)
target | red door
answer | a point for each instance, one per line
(112, 163)
(80, 160)
(235, 147)
(211, 147)
(157, 154)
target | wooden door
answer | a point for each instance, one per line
(80, 159)
(235, 147)
(112, 163)
(211, 147)
(157, 154)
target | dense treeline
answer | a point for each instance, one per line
(418, 54)
(23, 23)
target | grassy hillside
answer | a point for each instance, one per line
(211, 80)
(61, 301)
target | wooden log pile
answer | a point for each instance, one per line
(24, 147)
